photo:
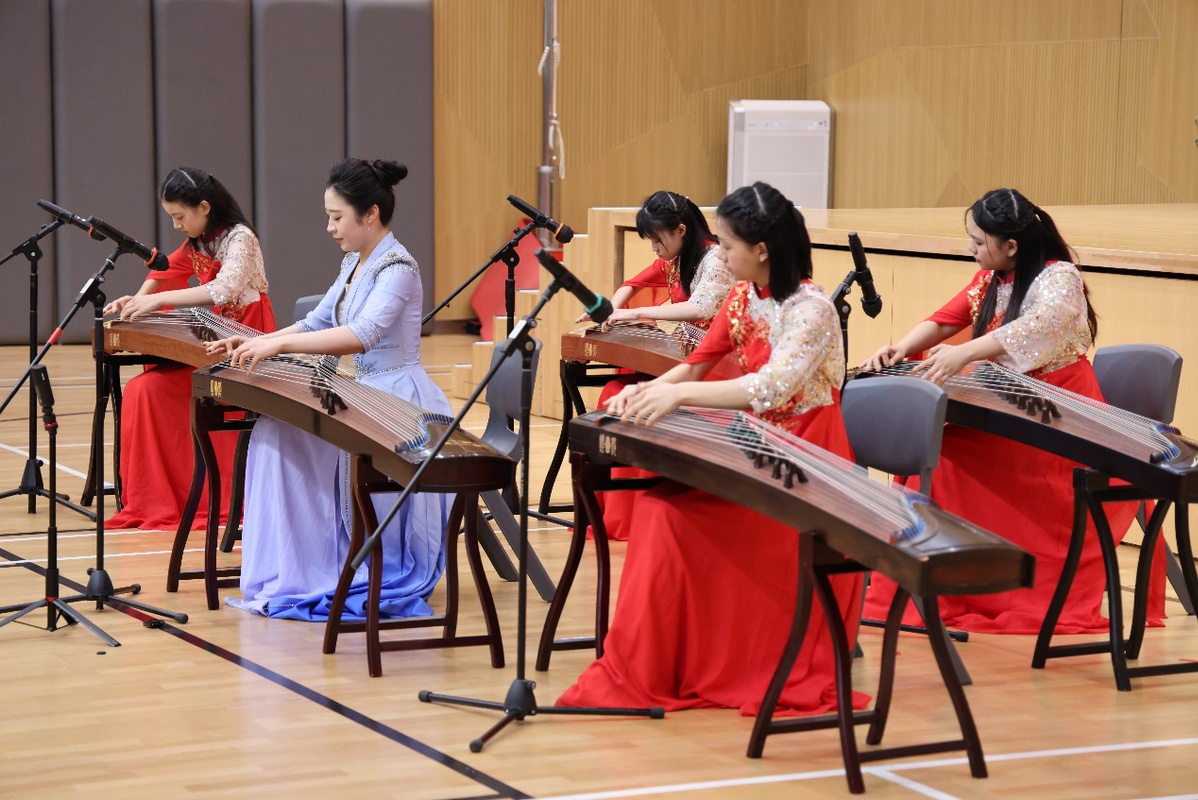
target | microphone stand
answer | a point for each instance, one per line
(520, 701)
(56, 606)
(508, 255)
(31, 480)
(99, 585)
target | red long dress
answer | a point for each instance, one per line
(156, 446)
(658, 282)
(1017, 491)
(708, 589)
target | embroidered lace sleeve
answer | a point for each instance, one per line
(712, 283)
(804, 342)
(242, 273)
(1052, 329)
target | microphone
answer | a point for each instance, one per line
(71, 219)
(153, 259)
(41, 385)
(563, 233)
(871, 304)
(598, 306)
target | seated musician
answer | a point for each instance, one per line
(687, 266)
(1028, 309)
(696, 282)
(223, 253)
(298, 507)
(708, 590)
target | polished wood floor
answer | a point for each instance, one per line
(229, 704)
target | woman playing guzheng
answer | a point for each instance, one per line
(688, 270)
(690, 274)
(1028, 309)
(298, 506)
(708, 589)
(223, 254)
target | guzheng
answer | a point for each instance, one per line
(643, 348)
(885, 528)
(1149, 454)
(394, 434)
(179, 335)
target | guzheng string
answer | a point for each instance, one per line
(894, 505)
(1007, 382)
(686, 335)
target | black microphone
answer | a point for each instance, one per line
(598, 306)
(153, 259)
(871, 304)
(41, 385)
(71, 219)
(563, 233)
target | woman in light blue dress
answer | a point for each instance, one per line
(298, 506)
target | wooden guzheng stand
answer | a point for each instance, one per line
(939, 554)
(359, 426)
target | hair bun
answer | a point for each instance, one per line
(389, 172)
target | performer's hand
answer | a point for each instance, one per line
(652, 402)
(226, 346)
(887, 356)
(140, 304)
(942, 362)
(583, 317)
(251, 351)
(117, 305)
(617, 404)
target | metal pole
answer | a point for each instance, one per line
(548, 168)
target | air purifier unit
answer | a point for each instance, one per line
(786, 143)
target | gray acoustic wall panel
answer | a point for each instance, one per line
(26, 165)
(103, 139)
(299, 132)
(389, 110)
(203, 96)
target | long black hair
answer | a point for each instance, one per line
(661, 213)
(368, 183)
(191, 186)
(760, 213)
(1007, 215)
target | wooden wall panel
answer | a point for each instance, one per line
(935, 102)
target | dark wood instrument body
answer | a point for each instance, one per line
(174, 341)
(636, 347)
(951, 556)
(464, 462)
(1077, 437)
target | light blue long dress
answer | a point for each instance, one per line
(298, 504)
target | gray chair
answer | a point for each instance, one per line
(503, 398)
(1143, 379)
(304, 305)
(896, 425)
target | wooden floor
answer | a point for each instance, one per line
(231, 704)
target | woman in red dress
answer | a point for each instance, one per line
(690, 274)
(223, 254)
(708, 589)
(1028, 309)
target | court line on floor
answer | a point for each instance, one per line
(501, 789)
(887, 772)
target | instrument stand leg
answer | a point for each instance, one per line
(56, 606)
(31, 479)
(520, 701)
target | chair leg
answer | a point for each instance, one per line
(198, 474)
(510, 527)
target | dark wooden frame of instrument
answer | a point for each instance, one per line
(646, 354)
(130, 343)
(1107, 457)
(465, 466)
(829, 543)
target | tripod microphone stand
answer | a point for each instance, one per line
(31, 479)
(99, 585)
(520, 701)
(56, 606)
